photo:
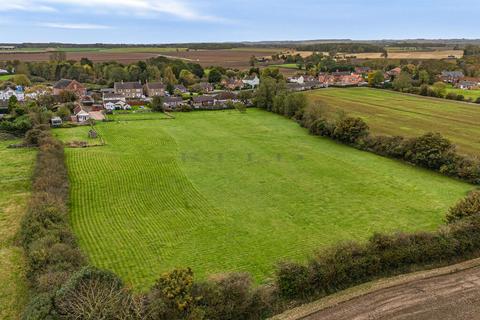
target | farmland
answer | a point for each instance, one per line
(392, 113)
(472, 94)
(427, 55)
(228, 58)
(15, 171)
(233, 58)
(224, 191)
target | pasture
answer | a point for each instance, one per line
(468, 94)
(5, 77)
(223, 191)
(393, 113)
(15, 170)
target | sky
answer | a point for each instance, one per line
(177, 21)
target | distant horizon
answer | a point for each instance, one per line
(326, 40)
(209, 21)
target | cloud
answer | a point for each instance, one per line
(177, 8)
(77, 26)
(26, 5)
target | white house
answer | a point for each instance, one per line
(299, 80)
(9, 92)
(113, 97)
(82, 116)
(252, 81)
(117, 105)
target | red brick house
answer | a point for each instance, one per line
(69, 85)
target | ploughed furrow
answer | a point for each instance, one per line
(132, 207)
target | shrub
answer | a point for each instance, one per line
(171, 297)
(451, 96)
(322, 127)
(430, 151)
(386, 146)
(94, 294)
(232, 296)
(350, 130)
(34, 136)
(293, 280)
(467, 207)
(40, 308)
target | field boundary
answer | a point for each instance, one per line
(364, 289)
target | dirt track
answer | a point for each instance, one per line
(454, 296)
(444, 294)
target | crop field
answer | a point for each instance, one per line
(427, 55)
(15, 170)
(393, 113)
(234, 58)
(223, 191)
(228, 58)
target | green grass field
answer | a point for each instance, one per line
(224, 191)
(6, 77)
(286, 66)
(392, 113)
(15, 170)
(472, 94)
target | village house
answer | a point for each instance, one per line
(395, 72)
(130, 90)
(451, 76)
(203, 102)
(180, 88)
(363, 70)
(171, 102)
(206, 87)
(9, 92)
(222, 98)
(113, 97)
(117, 105)
(253, 81)
(350, 80)
(87, 100)
(155, 89)
(295, 86)
(468, 83)
(342, 79)
(232, 84)
(69, 85)
(80, 115)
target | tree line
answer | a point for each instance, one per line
(105, 73)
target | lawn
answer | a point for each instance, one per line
(222, 191)
(286, 66)
(392, 113)
(472, 94)
(15, 170)
(77, 134)
(6, 77)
